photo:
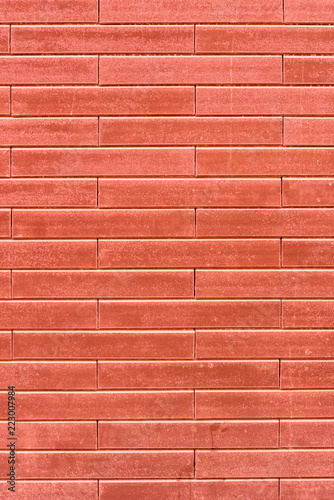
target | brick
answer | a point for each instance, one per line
(58, 101)
(188, 314)
(120, 405)
(265, 223)
(174, 435)
(264, 344)
(189, 70)
(100, 344)
(264, 161)
(5, 223)
(264, 404)
(42, 192)
(251, 463)
(4, 39)
(189, 192)
(306, 489)
(54, 490)
(91, 284)
(5, 284)
(50, 254)
(230, 11)
(49, 131)
(264, 284)
(307, 374)
(49, 11)
(264, 39)
(183, 490)
(308, 253)
(103, 223)
(307, 433)
(188, 253)
(102, 161)
(306, 11)
(16, 70)
(117, 464)
(309, 131)
(308, 313)
(41, 375)
(309, 70)
(308, 192)
(5, 345)
(27, 314)
(4, 162)
(264, 100)
(56, 435)
(185, 374)
(4, 100)
(90, 39)
(189, 131)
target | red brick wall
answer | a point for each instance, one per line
(167, 248)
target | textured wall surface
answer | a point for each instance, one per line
(167, 248)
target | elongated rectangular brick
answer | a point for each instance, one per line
(48, 69)
(263, 39)
(91, 284)
(189, 192)
(307, 374)
(4, 162)
(5, 345)
(50, 254)
(101, 39)
(188, 313)
(189, 131)
(189, 70)
(188, 253)
(4, 39)
(102, 161)
(307, 433)
(264, 100)
(60, 101)
(103, 223)
(5, 223)
(49, 131)
(182, 375)
(308, 192)
(116, 464)
(308, 313)
(264, 161)
(120, 405)
(213, 434)
(265, 223)
(308, 253)
(233, 11)
(58, 435)
(61, 375)
(182, 490)
(264, 404)
(292, 463)
(98, 344)
(309, 131)
(307, 11)
(43, 192)
(308, 70)
(25, 314)
(57, 490)
(5, 284)
(48, 11)
(306, 489)
(264, 344)
(4, 100)
(264, 284)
